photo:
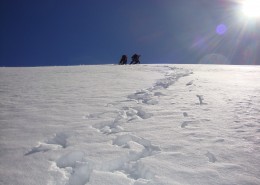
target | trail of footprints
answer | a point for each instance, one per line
(78, 169)
(126, 115)
(58, 141)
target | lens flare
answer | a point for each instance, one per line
(221, 29)
(214, 58)
(251, 8)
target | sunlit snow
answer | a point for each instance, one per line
(130, 125)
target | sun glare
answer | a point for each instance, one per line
(251, 8)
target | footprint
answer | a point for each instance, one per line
(184, 124)
(151, 102)
(189, 83)
(59, 141)
(80, 168)
(144, 96)
(138, 170)
(124, 140)
(170, 79)
(108, 127)
(70, 159)
(158, 94)
(142, 114)
(128, 114)
(136, 113)
(80, 175)
(211, 157)
(200, 97)
(131, 163)
(43, 147)
(185, 114)
(142, 171)
(112, 129)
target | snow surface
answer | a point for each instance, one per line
(130, 125)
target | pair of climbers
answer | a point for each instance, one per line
(135, 59)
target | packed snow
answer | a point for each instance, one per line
(130, 125)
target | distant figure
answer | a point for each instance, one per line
(123, 60)
(135, 59)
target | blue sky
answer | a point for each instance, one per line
(65, 32)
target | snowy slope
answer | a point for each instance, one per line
(120, 125)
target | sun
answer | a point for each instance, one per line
(251, 8)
